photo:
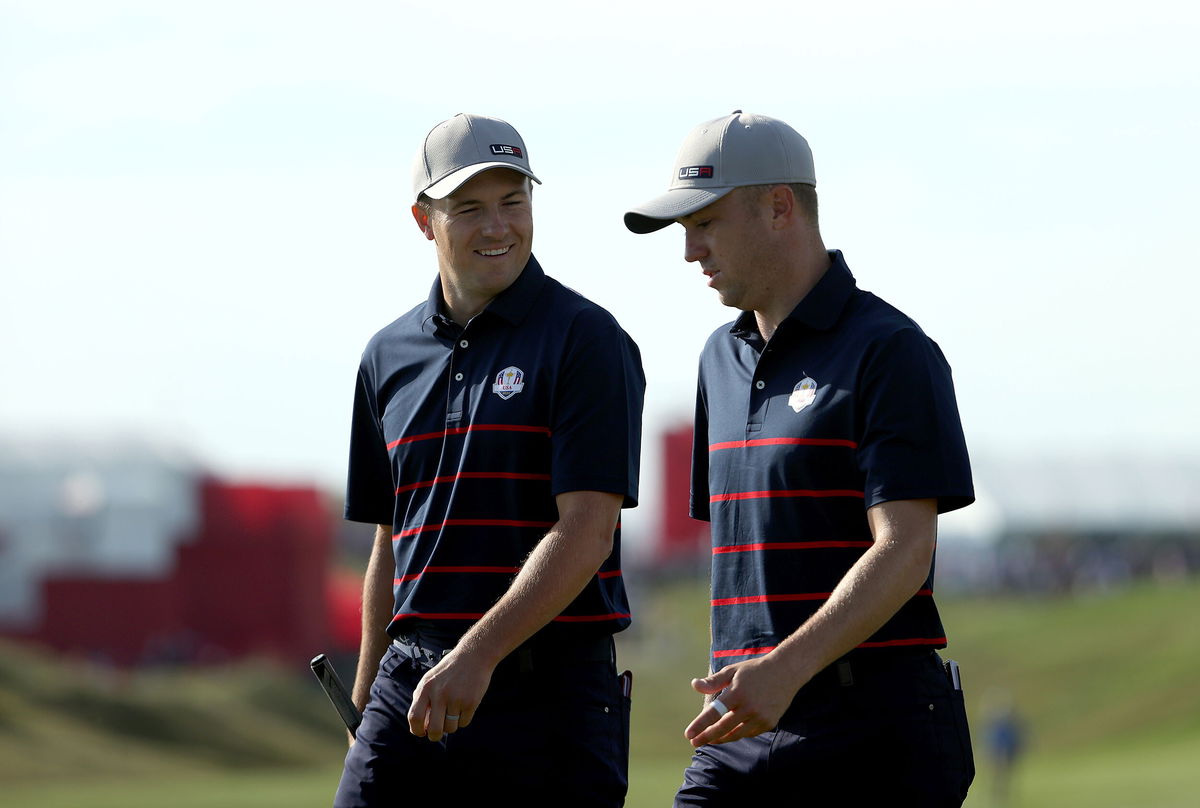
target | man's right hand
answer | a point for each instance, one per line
(754, 695)
(448, 695)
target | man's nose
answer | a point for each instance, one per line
(494, 222)
(693, 248)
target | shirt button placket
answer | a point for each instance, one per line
(462, 343)
(456, 401)
(758, 407)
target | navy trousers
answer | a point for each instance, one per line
(888, 732)
(554, 733)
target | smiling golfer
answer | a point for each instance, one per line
(495, 439)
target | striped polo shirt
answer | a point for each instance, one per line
(847, 406)
(462, 437)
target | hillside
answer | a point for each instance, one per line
(1105, 682)
(59, 718)
(1087, 671)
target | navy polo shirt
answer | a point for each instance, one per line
(847, 406)
(463, 436)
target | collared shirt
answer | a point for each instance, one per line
(463, 436)
(848, 405)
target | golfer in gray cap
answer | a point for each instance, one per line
(827, 441)
(495, 438)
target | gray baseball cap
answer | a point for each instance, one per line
(459, 148)
(720, 155)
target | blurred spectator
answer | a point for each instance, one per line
(1004, 740)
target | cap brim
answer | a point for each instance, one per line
(663, 210)
(450, 183)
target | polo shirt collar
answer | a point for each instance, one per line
(511, 305)
(515, 302)
(817, 310)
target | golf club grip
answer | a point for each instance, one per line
(336, 691)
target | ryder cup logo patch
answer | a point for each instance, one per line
(803, 394)
(509, 382)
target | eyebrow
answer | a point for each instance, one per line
(458, 203)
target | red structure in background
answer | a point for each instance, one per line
(344, 595)
(682, 539)
(254, 580)
(253, 575)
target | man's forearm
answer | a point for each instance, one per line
(554, 574)
(557, 570)
(376, 614)
(870, 593)
(756, 692)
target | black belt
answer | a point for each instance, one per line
(861, 668)
(541, 655)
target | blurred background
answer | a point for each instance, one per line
(203, 218)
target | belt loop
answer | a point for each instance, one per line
(845, 674)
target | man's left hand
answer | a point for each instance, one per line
(756, 693)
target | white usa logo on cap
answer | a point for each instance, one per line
(509, 382)
(803, 394)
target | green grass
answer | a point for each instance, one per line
(1107, 684)
(1092, 673)
(272, 789)
(1163, 774)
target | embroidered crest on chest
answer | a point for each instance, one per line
(803, 394)
(509, 382)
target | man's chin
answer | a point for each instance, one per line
(728, 300)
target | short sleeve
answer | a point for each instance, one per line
(911, 443)
(596, 419)
(370, 491)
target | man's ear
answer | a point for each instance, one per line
(422, 218)
(783, 206)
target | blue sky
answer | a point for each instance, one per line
(204, 206)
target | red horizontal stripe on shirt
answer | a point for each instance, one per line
(744, 651)
(502, 570)
(743, 444)
(881, 644)
(473, 475)
(412, 531)
(789, 545)
(439, 616)
(770, 598)
(581, 618)
(460, 430)
(835, 492)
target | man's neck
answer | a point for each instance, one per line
(462, 311)
(461, 305)
(799, 281)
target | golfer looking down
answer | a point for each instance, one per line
(827, 441)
